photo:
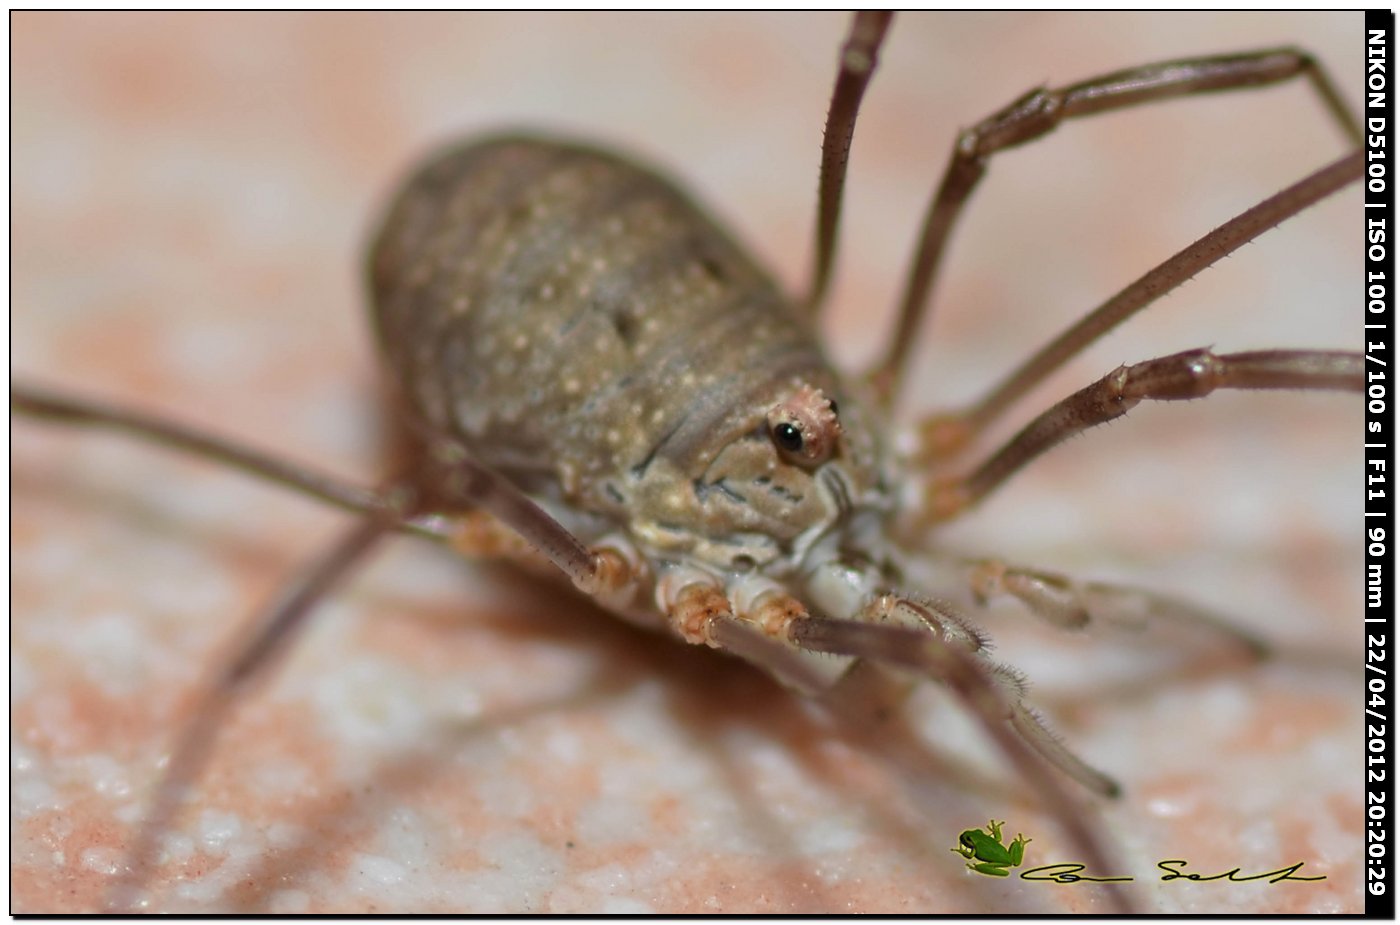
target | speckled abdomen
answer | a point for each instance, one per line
(573, 318)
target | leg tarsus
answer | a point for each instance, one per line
(1049, 747)
(927, 644)
(1050, 597)
(1178, 377)
(1070, 604)
(1115, 604)
(1016, 733)
(932, 656)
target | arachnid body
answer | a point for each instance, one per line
(522, 751)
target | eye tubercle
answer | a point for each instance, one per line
(804, 427)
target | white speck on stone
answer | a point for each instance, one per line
(333, 415)
(564, 747)
(282, 835)
(209, 349)
(30, 789)
(610, 879)
(380, 870)
(1165, 808)
(21, 680)
(289, 902)
(281, 779)
(375, 701)
(101, 860)
(606, 821)
(217, 829)
(178, 847)
(116, 654)
(524, 867)
(108, 777)
(130, 813)
(622, 905)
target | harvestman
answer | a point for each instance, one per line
(750, 504)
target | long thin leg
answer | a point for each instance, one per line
(1041, 111)
(944, 434)
(466, 481)
(1179, 377)
(1071, 604)
(1016, 732)
(60, 408)
(700, 613)
(859, 56)
(887, 609)
(249, 662)
(462, 481)
(939, 648)
(595, 572)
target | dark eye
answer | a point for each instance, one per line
(788, 437)
(804, 427)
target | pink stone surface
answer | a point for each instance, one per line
(190, 198)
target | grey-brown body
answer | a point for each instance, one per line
(580, 326)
